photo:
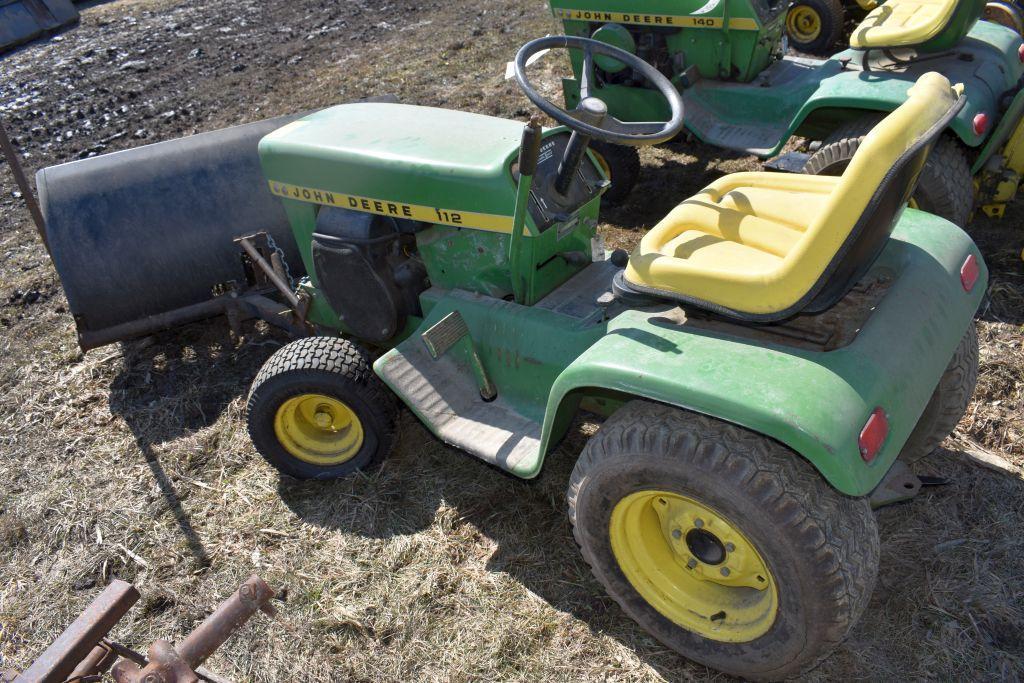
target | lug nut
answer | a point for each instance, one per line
(677, 534)
(729, 547)
(725, 571)
(691, 564)
(698, 522)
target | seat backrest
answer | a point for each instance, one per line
(874, 189)
(926, 25)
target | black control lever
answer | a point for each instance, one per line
(590, 110)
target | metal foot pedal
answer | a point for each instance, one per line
(447, 333)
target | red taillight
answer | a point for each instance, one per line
(1020, 52)
(980, 123)
(969, 273)
(873, 435)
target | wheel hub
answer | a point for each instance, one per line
(318, 429)
(705, 546)
(693, 565)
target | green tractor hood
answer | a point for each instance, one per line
(454, 170)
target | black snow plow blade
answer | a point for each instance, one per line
(142, 238)
(25, 20)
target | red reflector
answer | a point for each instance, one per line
(1020, 52)
(969, 273)
(873, 435)
(980, 122)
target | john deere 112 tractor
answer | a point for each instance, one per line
(767, 359)
(742, 94)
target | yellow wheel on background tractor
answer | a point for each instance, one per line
(317, 411)
(815, 26)
(621, 165)
(803, 24)
(723, 544)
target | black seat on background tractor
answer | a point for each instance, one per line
(765, 246)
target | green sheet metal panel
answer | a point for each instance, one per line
(814, 402)
(810, 97)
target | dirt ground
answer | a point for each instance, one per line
(133, 461)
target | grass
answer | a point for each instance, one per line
(133, 461)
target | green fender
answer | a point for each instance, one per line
(986, 63)
(815, 402)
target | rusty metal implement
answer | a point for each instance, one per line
(82, 653)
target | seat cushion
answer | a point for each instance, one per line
(764, 246)
(905, 23)
(727, 245)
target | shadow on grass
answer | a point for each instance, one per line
(426, 484)
(173, 385)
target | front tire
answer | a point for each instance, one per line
(622, 166)
(784, 564)
(948, 402)
(316, 410)
(945, 187)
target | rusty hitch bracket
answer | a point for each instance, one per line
(274, 271)
(84, 634)
(82, 653)
(170, 664)
(27, 193)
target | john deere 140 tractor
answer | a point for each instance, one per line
(817, 26)
(767, 359)
(742, 94)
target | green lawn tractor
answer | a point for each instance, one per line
(742, 94)
(767, 360)
(817, 26)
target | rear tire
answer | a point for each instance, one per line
(316, 410)
(815, 26)
(818, 548)
(622, 165)
(945, 188)
(948, 402)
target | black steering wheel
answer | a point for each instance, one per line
(591, 117)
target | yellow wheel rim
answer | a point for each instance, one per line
(803, 24)
(318, 429)
(603, 163)
(694, 566)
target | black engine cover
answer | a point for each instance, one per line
(364, 273)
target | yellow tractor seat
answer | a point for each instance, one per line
(938, 24)
(765, 246)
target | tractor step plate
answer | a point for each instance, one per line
(445, 395)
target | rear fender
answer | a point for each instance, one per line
(816, 402)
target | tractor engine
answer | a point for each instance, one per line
(368, 270)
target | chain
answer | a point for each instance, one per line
(284, 262)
